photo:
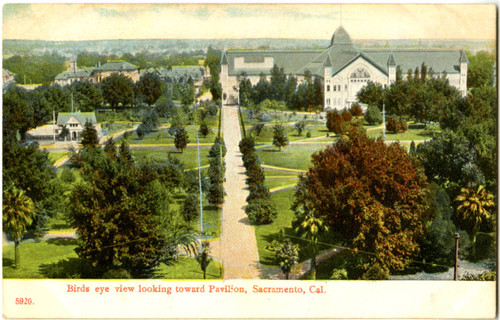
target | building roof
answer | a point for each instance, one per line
(341, 53)
(81, 117)
(74, 74)
(117, 66)
(180, 75)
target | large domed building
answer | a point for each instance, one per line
(342, 68)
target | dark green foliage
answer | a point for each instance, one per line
(67, 176)
(149, 88)
(187, 98)
(300, 126)
(280, 138)
(190, 210)
(181, 139)
(86, 96)
(413, 149)
(373, 115)
(89, 136)
(258, 128)
(261, 211)
(149, 123)
(376, 272)
(117, 89)
(372, 95)
(438, 243)
(119, 213)
(217, 147)
(258, 191)
(247, 145)
(480, 69)
(35, 69)
(116, 274)
(124, 154)
(287, 255)
(216, 172)
(204, 130)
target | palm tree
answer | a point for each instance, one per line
(287, 255)
(309, 228)
(18, 212)
(203, 258)
(473, 205)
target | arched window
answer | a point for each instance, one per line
(360, 73)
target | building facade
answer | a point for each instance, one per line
(343, 69)
(98, 74)
(68, 127)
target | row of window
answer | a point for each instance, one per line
(336, 101)
(336, 87)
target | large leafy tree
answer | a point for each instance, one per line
(149, 87)
(117, 89)
(480, 69)
(120, 213)
(18, 211)
(369, 193)
(86, 96)
(89, 136)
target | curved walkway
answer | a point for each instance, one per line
(238, 244)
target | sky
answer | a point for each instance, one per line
(83, 21)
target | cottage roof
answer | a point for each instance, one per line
(118, 66)
(81, 117)
(74, 74)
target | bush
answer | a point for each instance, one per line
(356, 110)
(373, 115)
(261, 211)
(432, 130)
(485, 276)
(116, 274)
(67, 176)
(346, 115)
(339, 274)
(376, 272)
(334, 121)
(247, 145)
(264, 117)
(308, 134)
(190, 207)
(395, 126)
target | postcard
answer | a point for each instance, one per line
(249, 160)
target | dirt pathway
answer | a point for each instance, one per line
(238, 245)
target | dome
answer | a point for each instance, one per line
(340, 36)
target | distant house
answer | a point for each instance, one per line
(182, 75)
(68, 127)
(98, 73)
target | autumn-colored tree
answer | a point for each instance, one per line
(371, 194)
(356, 110)
(334, 121)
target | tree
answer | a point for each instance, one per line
(86, 96)
(373, 115)
(280, 138)
(181, 139)
(203, 257)
(204, 130)
(149, 88)
(372, 94)
(480, 69)
(117, 89)
(190, 207)
(287, 255)
(261, 211)
(310, 227)
(18, 212)
(300, 126)
(258, 128)
(473, 209)
(356, 110)
(370, 193)
(89, 136)
(124, 154)
(334, 121)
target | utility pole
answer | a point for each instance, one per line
(383, 118)
(457, 236)
(54, 124)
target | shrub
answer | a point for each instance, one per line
(67, 176)
(346, 115)
(373, 115)
(356, 110)
(247, 145)
(116, 274)
(190, 207)
(264, 117)
(339, 274)
(261, 211)
(376, 272)
(258, 191)
(308, 134)
(485, 276)
(258, 128)
(334, 121)
(395, 126)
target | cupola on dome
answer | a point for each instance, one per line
(340, 36)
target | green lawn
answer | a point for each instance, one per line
(189, 157)
(188, 268)
(54, 156)
(117, 127)
(34, 256)
(40, 260)
(411, 134)
(279, 174)
(265, 234)
(316, 130)
(292, 157)
(280, 183)
(211, 220)
(163, 137)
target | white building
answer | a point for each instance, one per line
(343, 68)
